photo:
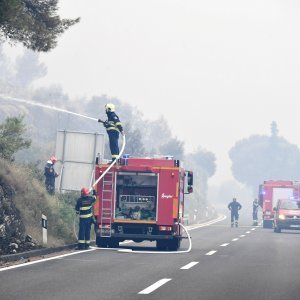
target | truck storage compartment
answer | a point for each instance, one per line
(136, 196)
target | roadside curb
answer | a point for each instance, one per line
(37, 252)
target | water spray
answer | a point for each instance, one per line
(45, 106)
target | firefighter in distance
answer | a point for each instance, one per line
(113, 127)
(255, 212)
(84, 208)
(234, 207)
(50, 175)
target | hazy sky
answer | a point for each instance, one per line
(217, 70)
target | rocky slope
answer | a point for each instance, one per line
(13, 238)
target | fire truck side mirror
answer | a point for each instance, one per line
(189, 182)
(190, 178)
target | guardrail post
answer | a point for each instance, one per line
(44, 229)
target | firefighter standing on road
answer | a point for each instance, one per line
(84, 207)
(50, 175)
(234, 207)
(113, 127)
(254, 212)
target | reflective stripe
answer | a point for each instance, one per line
(118, 123)
(112, 128)
(87, 242)
(115, 155)
(86, 216)
(81, 241)
(85, 207)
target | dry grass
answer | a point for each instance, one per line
(32, 200)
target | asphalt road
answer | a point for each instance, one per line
(225, 263)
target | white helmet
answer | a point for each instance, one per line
(110, 107)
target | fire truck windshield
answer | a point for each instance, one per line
(290, 204)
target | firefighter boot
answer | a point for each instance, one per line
(236, 224)
(80, 246)
(231, 224)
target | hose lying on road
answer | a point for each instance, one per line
(154, 252)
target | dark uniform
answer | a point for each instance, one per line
(50, 175)
(113, 127)
(234, 207)
(84, 207)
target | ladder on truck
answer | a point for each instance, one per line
(107, 204)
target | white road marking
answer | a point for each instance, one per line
(211, 252)
(190, 265)
(253, 228)
(248, 232)
(154, 286)
(224, 245)
(234, 240)
(242, 235)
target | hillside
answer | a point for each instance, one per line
(23, 200)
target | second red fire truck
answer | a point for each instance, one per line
(141, 199)
(269, 193)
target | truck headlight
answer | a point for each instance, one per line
(281, 217)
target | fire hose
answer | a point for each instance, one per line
(102, 175)
(162, 252)
(129, 250)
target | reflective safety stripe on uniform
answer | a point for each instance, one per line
(86, 211)
(85, 207)
(86, 216)
(112, 128)
(84, 230)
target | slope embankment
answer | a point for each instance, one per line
(23, 200)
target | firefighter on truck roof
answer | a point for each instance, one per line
(113, 127)
(84, 208)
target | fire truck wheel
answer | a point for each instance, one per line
(101, 243)
(267, 224)
(277, 229)
(174, 245)
(113, 243)
(161, 245)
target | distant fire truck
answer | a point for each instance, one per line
(141, 199)
(271, 191)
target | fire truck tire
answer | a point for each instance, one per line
(101, 242)
(277, 229)
(174, 245)
(113, 243)
(267, 224)
(161, 245)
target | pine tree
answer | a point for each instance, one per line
(34, 23)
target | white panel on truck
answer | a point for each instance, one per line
(76, 153)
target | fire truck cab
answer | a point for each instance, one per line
(141, 199)
(269, 193)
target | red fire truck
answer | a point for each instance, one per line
(141, 199)
(269, 192)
